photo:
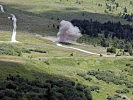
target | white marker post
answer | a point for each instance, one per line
(13, 18)
(2, 9)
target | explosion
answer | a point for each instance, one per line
(67, 32)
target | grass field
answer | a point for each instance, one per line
(58, 63)
(38, 16)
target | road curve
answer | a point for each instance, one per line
(81, 50)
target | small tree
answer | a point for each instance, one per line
(105, 43)
(111, 50)
(130, 52)
(125, 10)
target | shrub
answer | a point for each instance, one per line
(80, 87)
(122, 91)
(108, 76)
(46, 62)
(88, 78)
(94, 88)
(10, 85)
(104, 43)
(16, 88)
(24, 50)
(129, 84)
(2, 94)
(128, 64)
(131, 52)
(131, 66)
(10, 93)
(81, 74)
(29, 50)
(111, 50)
(111, 98)
(88, 94)
(37, 50)
(6, 49)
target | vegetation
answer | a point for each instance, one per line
(122, 91)
(108, 77)
(128, 17)
(16, 87)
(106, 30)
(111, 50)
(33, 50)
(50, 13)
(110, 34)
(6, 49)
(111, 98)
(35, 68)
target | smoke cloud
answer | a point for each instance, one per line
(67, 32)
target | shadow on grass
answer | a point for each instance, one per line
(19, 83)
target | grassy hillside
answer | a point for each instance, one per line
(56, 63)
(82, 5)
(38, 16)
(37, 68)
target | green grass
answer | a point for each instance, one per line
(34, 17)
(44, 5)
(38, 16)
(58, 63)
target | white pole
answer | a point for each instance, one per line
(13, 18)
(2, 9)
